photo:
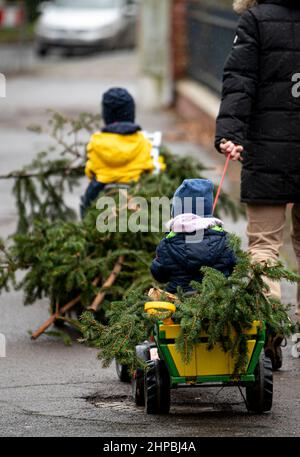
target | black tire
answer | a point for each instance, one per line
(259, 394)
(42, 51)
(138, 387)
(123, 372)
(157, 388)
(138, 379)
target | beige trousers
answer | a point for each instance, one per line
(265, 234)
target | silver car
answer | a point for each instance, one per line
(73, 24)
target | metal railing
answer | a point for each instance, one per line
(211, 32)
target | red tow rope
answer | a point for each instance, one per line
(221, 182)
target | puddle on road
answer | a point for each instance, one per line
(114, 402)
(124, 403)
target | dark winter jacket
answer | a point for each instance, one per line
(178, 262)
(259, 108)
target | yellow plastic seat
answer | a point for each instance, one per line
(156, 307)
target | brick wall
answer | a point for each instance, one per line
(179, 38)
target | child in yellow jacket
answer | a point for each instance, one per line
(120, 153)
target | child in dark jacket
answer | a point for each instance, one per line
(195, 240)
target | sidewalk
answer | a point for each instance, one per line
(15, 58)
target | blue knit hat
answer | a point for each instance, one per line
(194, 196)
(118, 106)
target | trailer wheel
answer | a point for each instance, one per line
(123, 372)
(259, 394)
(157, 388)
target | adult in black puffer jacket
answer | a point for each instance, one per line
(180, 255)
(260, 118)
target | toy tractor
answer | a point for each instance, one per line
(162, 368)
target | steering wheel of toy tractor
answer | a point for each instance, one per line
(156, 307)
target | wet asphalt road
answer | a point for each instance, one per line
(48, 389)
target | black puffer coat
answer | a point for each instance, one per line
(259, 109)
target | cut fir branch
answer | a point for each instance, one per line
(60, 256)
(65, 171)
(222, 308)
(40, 187)
(8, 268)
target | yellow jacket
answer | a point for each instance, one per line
(118, 158)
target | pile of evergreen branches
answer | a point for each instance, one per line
(60, 256)
(219, 306)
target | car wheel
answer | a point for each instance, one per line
(42, 50)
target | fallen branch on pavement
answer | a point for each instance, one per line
(108, 283)
(59, 313)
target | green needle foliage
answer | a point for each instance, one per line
(128, 326)
(40, 187)
(219, 307)
(59, 255)
(7, 268)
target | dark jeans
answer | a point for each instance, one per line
(91, 194)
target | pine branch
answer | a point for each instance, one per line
(220, 307)
(66, 171)
(59, 257)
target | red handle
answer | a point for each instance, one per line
(221, 182)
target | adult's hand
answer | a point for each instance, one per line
(234, 150)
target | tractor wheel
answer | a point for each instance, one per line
(138, 380)
(138, 387)
(123, 372)
(259, 394)
(157, 388)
